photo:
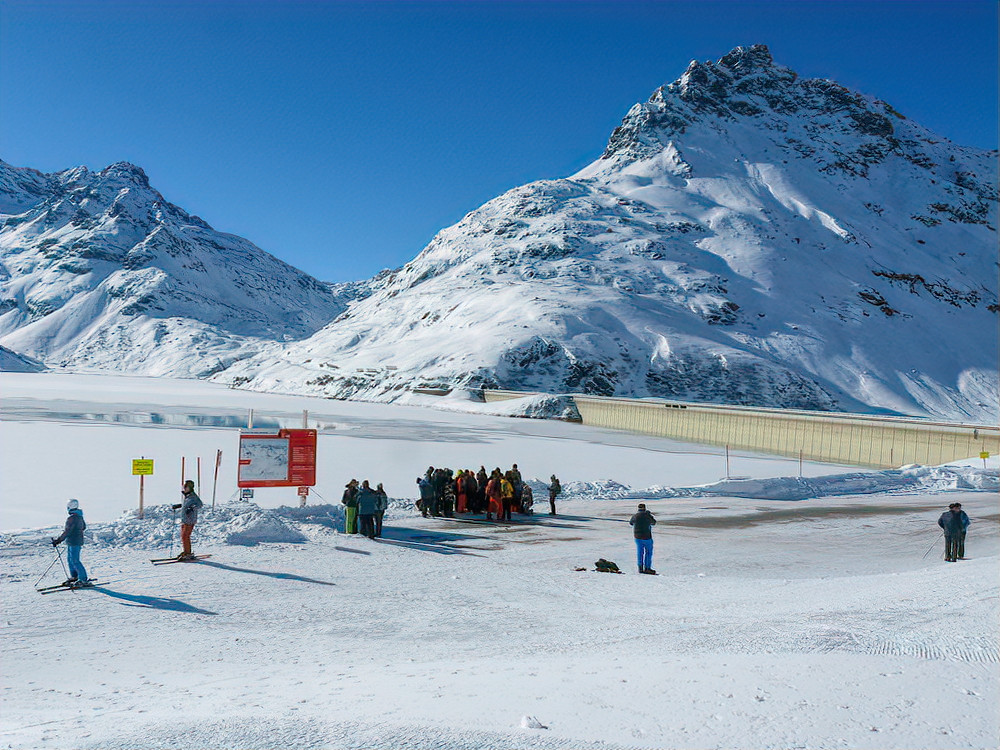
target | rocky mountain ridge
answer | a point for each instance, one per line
(100, 271)
(747, 236)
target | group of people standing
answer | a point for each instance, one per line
(444, 492)
(364, 508)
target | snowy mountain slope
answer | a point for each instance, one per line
(747, 237)
(98, 270)
(14, 362)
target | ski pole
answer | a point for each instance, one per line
(47, 569)
(932, 546)
(59, 552)
(173, 525)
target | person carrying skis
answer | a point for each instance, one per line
(189, 517)
(954, 522)
(383, 505)
(350, 503)
(367, 505)
(642, 529)
(555, 489)
(73, 536)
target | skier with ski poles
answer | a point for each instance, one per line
(73, 536)
(189, 517)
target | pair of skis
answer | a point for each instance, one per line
(65, 587)
(170, 560)
(94, 581)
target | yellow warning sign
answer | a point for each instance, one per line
(142, 466)
(984, 454)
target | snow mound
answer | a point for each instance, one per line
(239, 523)
(250, 529)
(605, 489)
(536, 406)
(908, 479)
(530, 722)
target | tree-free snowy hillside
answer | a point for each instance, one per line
(97, 270)
(747, 237)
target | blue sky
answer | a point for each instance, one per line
(342, 136)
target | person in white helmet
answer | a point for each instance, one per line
(73, 536)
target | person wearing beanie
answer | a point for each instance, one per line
(73, 536)
(642, 529)
(189, 517)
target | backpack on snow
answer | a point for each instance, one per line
(606, 566)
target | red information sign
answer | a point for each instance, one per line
(286, 458)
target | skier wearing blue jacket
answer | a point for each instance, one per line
(73, 536)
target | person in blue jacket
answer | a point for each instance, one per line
(954, 522)
(368, 503)
(73, 536)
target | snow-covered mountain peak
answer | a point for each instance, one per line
(747, 84)
(747, 237)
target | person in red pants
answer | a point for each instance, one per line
(189, 517)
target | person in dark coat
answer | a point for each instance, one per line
(189, 517)
(481, 479)
(642, 529)
(426, 496)
(383, 506)
(954, 522)
(555, 489)
(73, 536)
(368, 503)
(350, 503)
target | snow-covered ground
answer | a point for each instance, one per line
(820, 622)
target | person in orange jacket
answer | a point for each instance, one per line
(493, 498)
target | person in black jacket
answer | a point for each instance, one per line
(642, 529)
(954, 522)
(73, 536)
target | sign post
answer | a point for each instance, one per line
(142, 467)
(984, 455)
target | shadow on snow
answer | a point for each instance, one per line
(153, 602)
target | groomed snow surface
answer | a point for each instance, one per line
(826, 621)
